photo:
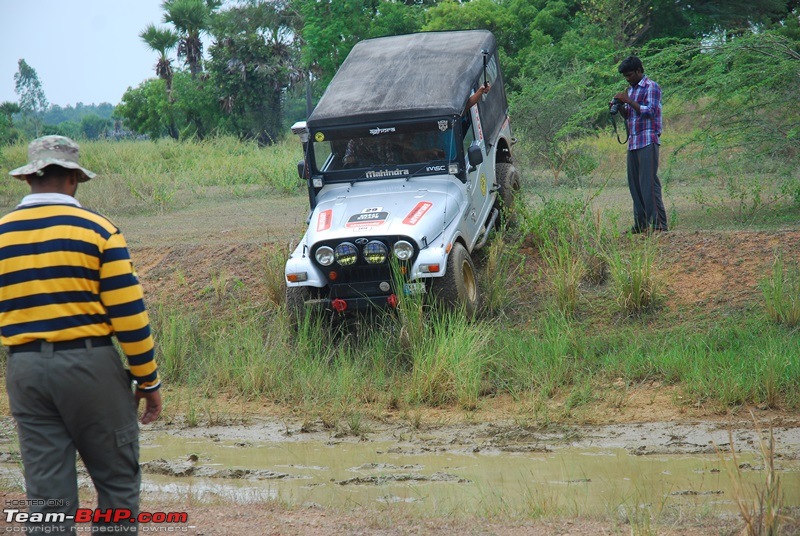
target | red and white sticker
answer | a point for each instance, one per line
(324, 220)
(417, 212)
(367, 219)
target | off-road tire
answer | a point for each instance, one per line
(510, 185)
(458, 289)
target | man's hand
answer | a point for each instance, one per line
(623, 96)
(152, 408)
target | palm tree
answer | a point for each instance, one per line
(161, 40)
(190, 18)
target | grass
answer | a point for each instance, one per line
(761, 506)
(137, 177)
(604, 322)
(781, 291)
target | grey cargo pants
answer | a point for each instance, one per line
(71, 400)
(648, 205)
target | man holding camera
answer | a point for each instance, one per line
(641, 107)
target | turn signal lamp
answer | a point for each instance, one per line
(297, 278)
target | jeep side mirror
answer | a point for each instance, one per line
(474, 156)
(301, 169)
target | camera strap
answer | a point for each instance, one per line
(613, 118)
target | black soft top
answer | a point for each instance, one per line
(403, 77)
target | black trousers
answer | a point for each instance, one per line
(648, 206)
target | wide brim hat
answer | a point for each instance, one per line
(51, 150)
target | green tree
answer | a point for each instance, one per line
(32, 99)
(744, 90)
(8, 134)
(145, 109)
(626, 21)
(94, 127)
(8, 109)
(254, 61)
(196, 107)
(331, 28)
(162, 40)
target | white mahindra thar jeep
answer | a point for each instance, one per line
(403, 178)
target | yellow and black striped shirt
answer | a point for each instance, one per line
(65, 273)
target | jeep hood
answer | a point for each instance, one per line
(416, 208)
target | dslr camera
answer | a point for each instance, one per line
(615, 105)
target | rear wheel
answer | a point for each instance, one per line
(458, 288)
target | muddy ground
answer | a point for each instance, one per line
(707, 273)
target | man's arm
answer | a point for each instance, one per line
(475, 97)
(122, 296)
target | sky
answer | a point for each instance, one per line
(85, 51)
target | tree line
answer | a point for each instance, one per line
(250, 67)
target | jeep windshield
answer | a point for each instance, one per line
(388, 150)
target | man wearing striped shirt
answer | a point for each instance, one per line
(67, 285)
(642, 111)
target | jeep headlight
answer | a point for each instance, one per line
(403, 250)
(324, 255)
(346, 254)
(375, 252)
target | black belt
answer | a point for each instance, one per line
(36, 346)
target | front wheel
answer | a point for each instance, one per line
(510, 185)
(458, 288)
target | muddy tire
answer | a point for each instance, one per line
(458, 288)
(296, 298)
(510, 185)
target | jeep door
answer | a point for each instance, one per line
(479, 180)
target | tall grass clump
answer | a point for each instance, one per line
(760, 507)
(565, 270)
(637, 286)
(453, 363)
(781, 290)
(550, 218)
(502, 265)
(179, 336)
(274, 261)
(542, 362)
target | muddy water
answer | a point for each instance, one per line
(386, 474)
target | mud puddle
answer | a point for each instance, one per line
(489, 468)
(485, 469)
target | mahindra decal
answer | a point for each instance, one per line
(387, 173)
